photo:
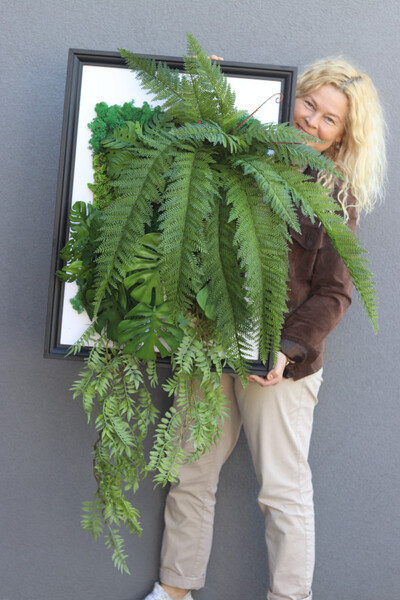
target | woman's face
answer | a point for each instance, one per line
(322, 113)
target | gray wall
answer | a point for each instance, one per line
(45, 442)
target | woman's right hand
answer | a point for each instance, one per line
(274, 376)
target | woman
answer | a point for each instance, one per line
(338, 105)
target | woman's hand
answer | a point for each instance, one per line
(212, 56)
(274, 376)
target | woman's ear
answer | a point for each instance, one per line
(340, 139)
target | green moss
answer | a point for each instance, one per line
(76, 301)
(115, 116)
(102, 195)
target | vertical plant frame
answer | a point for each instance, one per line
(100, 76)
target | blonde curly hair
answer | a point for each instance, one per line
(361, 155)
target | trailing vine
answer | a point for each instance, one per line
(183, 254)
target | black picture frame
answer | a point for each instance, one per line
(82, 64)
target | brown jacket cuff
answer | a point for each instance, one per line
(293, 350)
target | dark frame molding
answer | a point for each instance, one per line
(77, 60)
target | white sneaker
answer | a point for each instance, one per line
(159, 593)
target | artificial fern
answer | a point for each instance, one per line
(205, 160)
(185, 254)
(189, 199)
(124, 220)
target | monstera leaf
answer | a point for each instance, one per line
(148, 330)
(143, 281)
(84, 222)
(71, 271)
(111, 312)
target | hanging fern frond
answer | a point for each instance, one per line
(264, 259)
(276, 276)
(124, 220)
(242, 195)
(270, 186)
(276, 133)
(288, 145)
(92, 519)
(189, 198)
(303, 156)
(227, 289)
(199, 409)
(300, 187)
(115, 542)
(348, 248)
(210, 132)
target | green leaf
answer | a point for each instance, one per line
(270, 185)
(261, 238)
(189, 199)
(143, 281)
(210, 132)
(210, 78)
(124, 220)
(349, 249)
(203, 301)
(111, 311)
(158, 79)
(226, 288)
(148, 330)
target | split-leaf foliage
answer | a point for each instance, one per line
(184, 253)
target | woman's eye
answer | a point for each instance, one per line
(308, 103)
(330, 120)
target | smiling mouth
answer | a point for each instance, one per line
(300, 128)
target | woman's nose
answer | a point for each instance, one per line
(312, 119)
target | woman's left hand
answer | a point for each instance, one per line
(274, 376)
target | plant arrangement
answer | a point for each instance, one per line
(183, 254)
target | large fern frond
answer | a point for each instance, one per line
(227, 289)
(276, 266)
(189, 198)
(263, 256)
(158, 79)
(198, 102)
(314, 201)
(242, 195)
(301, 188)
(124, 220)
(348, 248)
(212, 80)
(302, 155)
(210, 132)
(270, 185)
(288, 145)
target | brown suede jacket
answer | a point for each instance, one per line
(320, 291)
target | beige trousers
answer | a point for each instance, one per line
(277, 421)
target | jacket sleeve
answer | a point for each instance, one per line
(330, 294)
